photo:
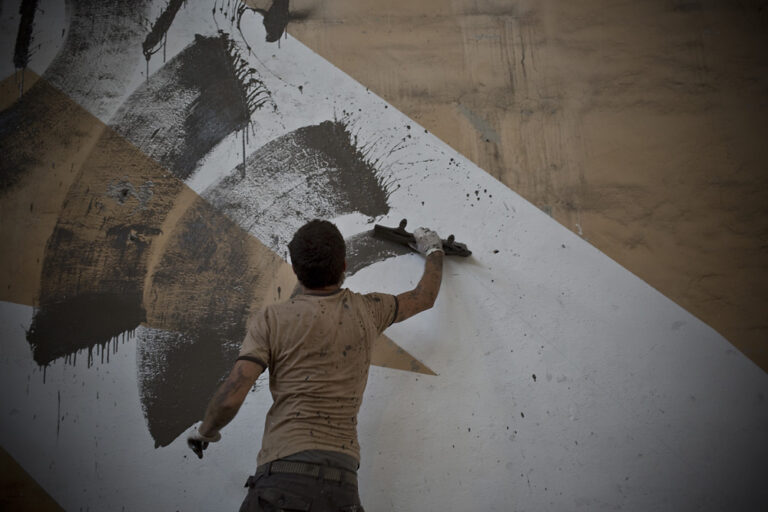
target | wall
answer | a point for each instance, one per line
(157, 160)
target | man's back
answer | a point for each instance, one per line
(318, 350)
(317, 347)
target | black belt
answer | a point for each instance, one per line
(307, 469)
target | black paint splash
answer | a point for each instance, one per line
(191, 104)
(313, 172)
(21, 54)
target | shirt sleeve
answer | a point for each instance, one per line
(255, 346)
(383, 309)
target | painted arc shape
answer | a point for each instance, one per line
(314, 171)
(188, 106)
(636, 404)
(101, 53)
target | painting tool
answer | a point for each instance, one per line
(401, 236)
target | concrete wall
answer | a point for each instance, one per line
(156, 161)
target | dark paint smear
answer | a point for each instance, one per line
(90, 292)
(61, 328)
(160, 28)
(313, 172)
(203, 277)
(207, 94)
(364, 250)
(27, 10)
(178, 372)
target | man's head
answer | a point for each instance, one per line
(318, 254)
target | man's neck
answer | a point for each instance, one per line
(325, 290)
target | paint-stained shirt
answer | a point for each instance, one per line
(318, 350)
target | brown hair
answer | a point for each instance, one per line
(317, 254)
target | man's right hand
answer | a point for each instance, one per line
(427, 241)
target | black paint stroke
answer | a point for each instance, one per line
(313, 172)
(89, 321)
(21, 54)
(177, 374)
(191, 104)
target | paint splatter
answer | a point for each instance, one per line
(313, 172)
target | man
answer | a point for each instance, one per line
(317, 347)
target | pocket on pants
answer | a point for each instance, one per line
(278, 500)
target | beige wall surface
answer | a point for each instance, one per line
(641, 126)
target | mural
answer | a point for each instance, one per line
(157, 157)
(131, 244)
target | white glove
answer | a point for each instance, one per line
(427, 241)
(198, 442)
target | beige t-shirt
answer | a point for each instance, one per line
(318, 350)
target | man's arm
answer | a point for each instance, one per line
(424, 295)
(225, 404)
